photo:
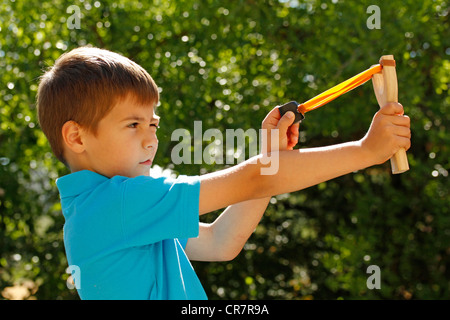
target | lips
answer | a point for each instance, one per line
(146, 163)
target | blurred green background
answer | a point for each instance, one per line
(227, 63)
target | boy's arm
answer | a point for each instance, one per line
(226, 236)
(299, 169)
(223, 239)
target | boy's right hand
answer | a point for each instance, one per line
(389, 132)
(288, 133)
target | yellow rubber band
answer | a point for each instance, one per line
(339, 89)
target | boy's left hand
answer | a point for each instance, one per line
(288, 132)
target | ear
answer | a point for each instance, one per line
(72, 136)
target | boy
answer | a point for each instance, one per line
(132, 235)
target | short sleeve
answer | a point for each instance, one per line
(156, 209)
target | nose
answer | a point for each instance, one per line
(148, 144)
(150, 140)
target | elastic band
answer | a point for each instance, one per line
(387, 63)
(341, 88)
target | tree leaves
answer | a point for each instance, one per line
(228, 64)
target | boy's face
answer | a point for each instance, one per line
(125, 143)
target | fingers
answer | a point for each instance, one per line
(403, 131)
(286, 120)
(396, 124)
(392, 108)
(271, 119)
(290, 130)
(403, 135)
(293, 135)
(285, 124)
(405, 143)
(393, 114)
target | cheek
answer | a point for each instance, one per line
(108, 145)
(122, 149)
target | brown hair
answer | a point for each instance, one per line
(83, 86)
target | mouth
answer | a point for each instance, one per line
(146, 163)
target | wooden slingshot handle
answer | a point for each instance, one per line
(386, 90)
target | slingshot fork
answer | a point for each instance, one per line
(386, 90)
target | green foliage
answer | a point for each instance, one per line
(227, 64)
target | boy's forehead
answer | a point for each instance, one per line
(130, 107)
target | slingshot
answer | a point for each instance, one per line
(384, 80)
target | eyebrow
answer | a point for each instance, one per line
(139, 118)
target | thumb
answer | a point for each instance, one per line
(286, 121)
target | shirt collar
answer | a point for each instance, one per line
(78, 182)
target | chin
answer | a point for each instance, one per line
(145, 173)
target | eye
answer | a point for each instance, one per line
(154, 125)
(133, 125)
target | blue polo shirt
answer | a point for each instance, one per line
(127, 235)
